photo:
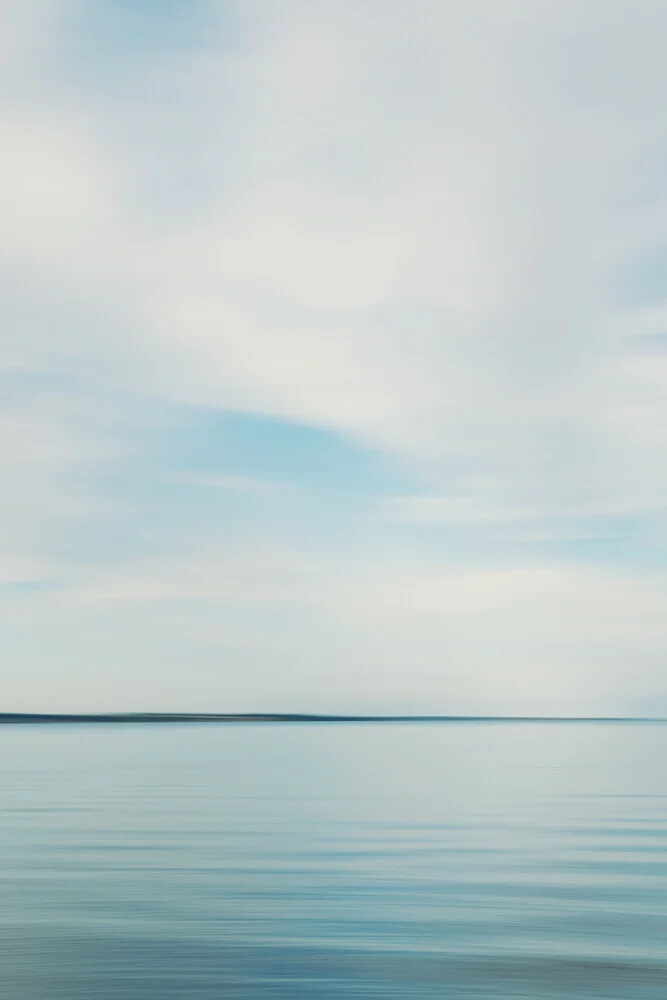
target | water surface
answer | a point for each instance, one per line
(323, 861)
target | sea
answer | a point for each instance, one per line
(304, 861)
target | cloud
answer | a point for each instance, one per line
(241, 572)
(275, 628)
(536, 637)
(411, 244)
(431, 229)
(43, 450)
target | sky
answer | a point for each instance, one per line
(333, 356)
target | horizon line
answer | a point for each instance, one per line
(9, 718)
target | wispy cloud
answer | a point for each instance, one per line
(435, 231)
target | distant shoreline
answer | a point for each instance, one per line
(134, 718)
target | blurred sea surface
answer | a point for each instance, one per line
(320, 861)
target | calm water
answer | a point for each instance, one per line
(310, 862)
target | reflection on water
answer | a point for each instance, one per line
(326, 861)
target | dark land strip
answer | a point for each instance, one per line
(14, 718)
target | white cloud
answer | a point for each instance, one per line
(529, 638)
(421, 225)
(280, 628)
(41, 451)
(239, 572)
(429, 272)
(55, 206)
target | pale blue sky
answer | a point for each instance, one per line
(333, 355)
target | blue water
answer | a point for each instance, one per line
(325, 861)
